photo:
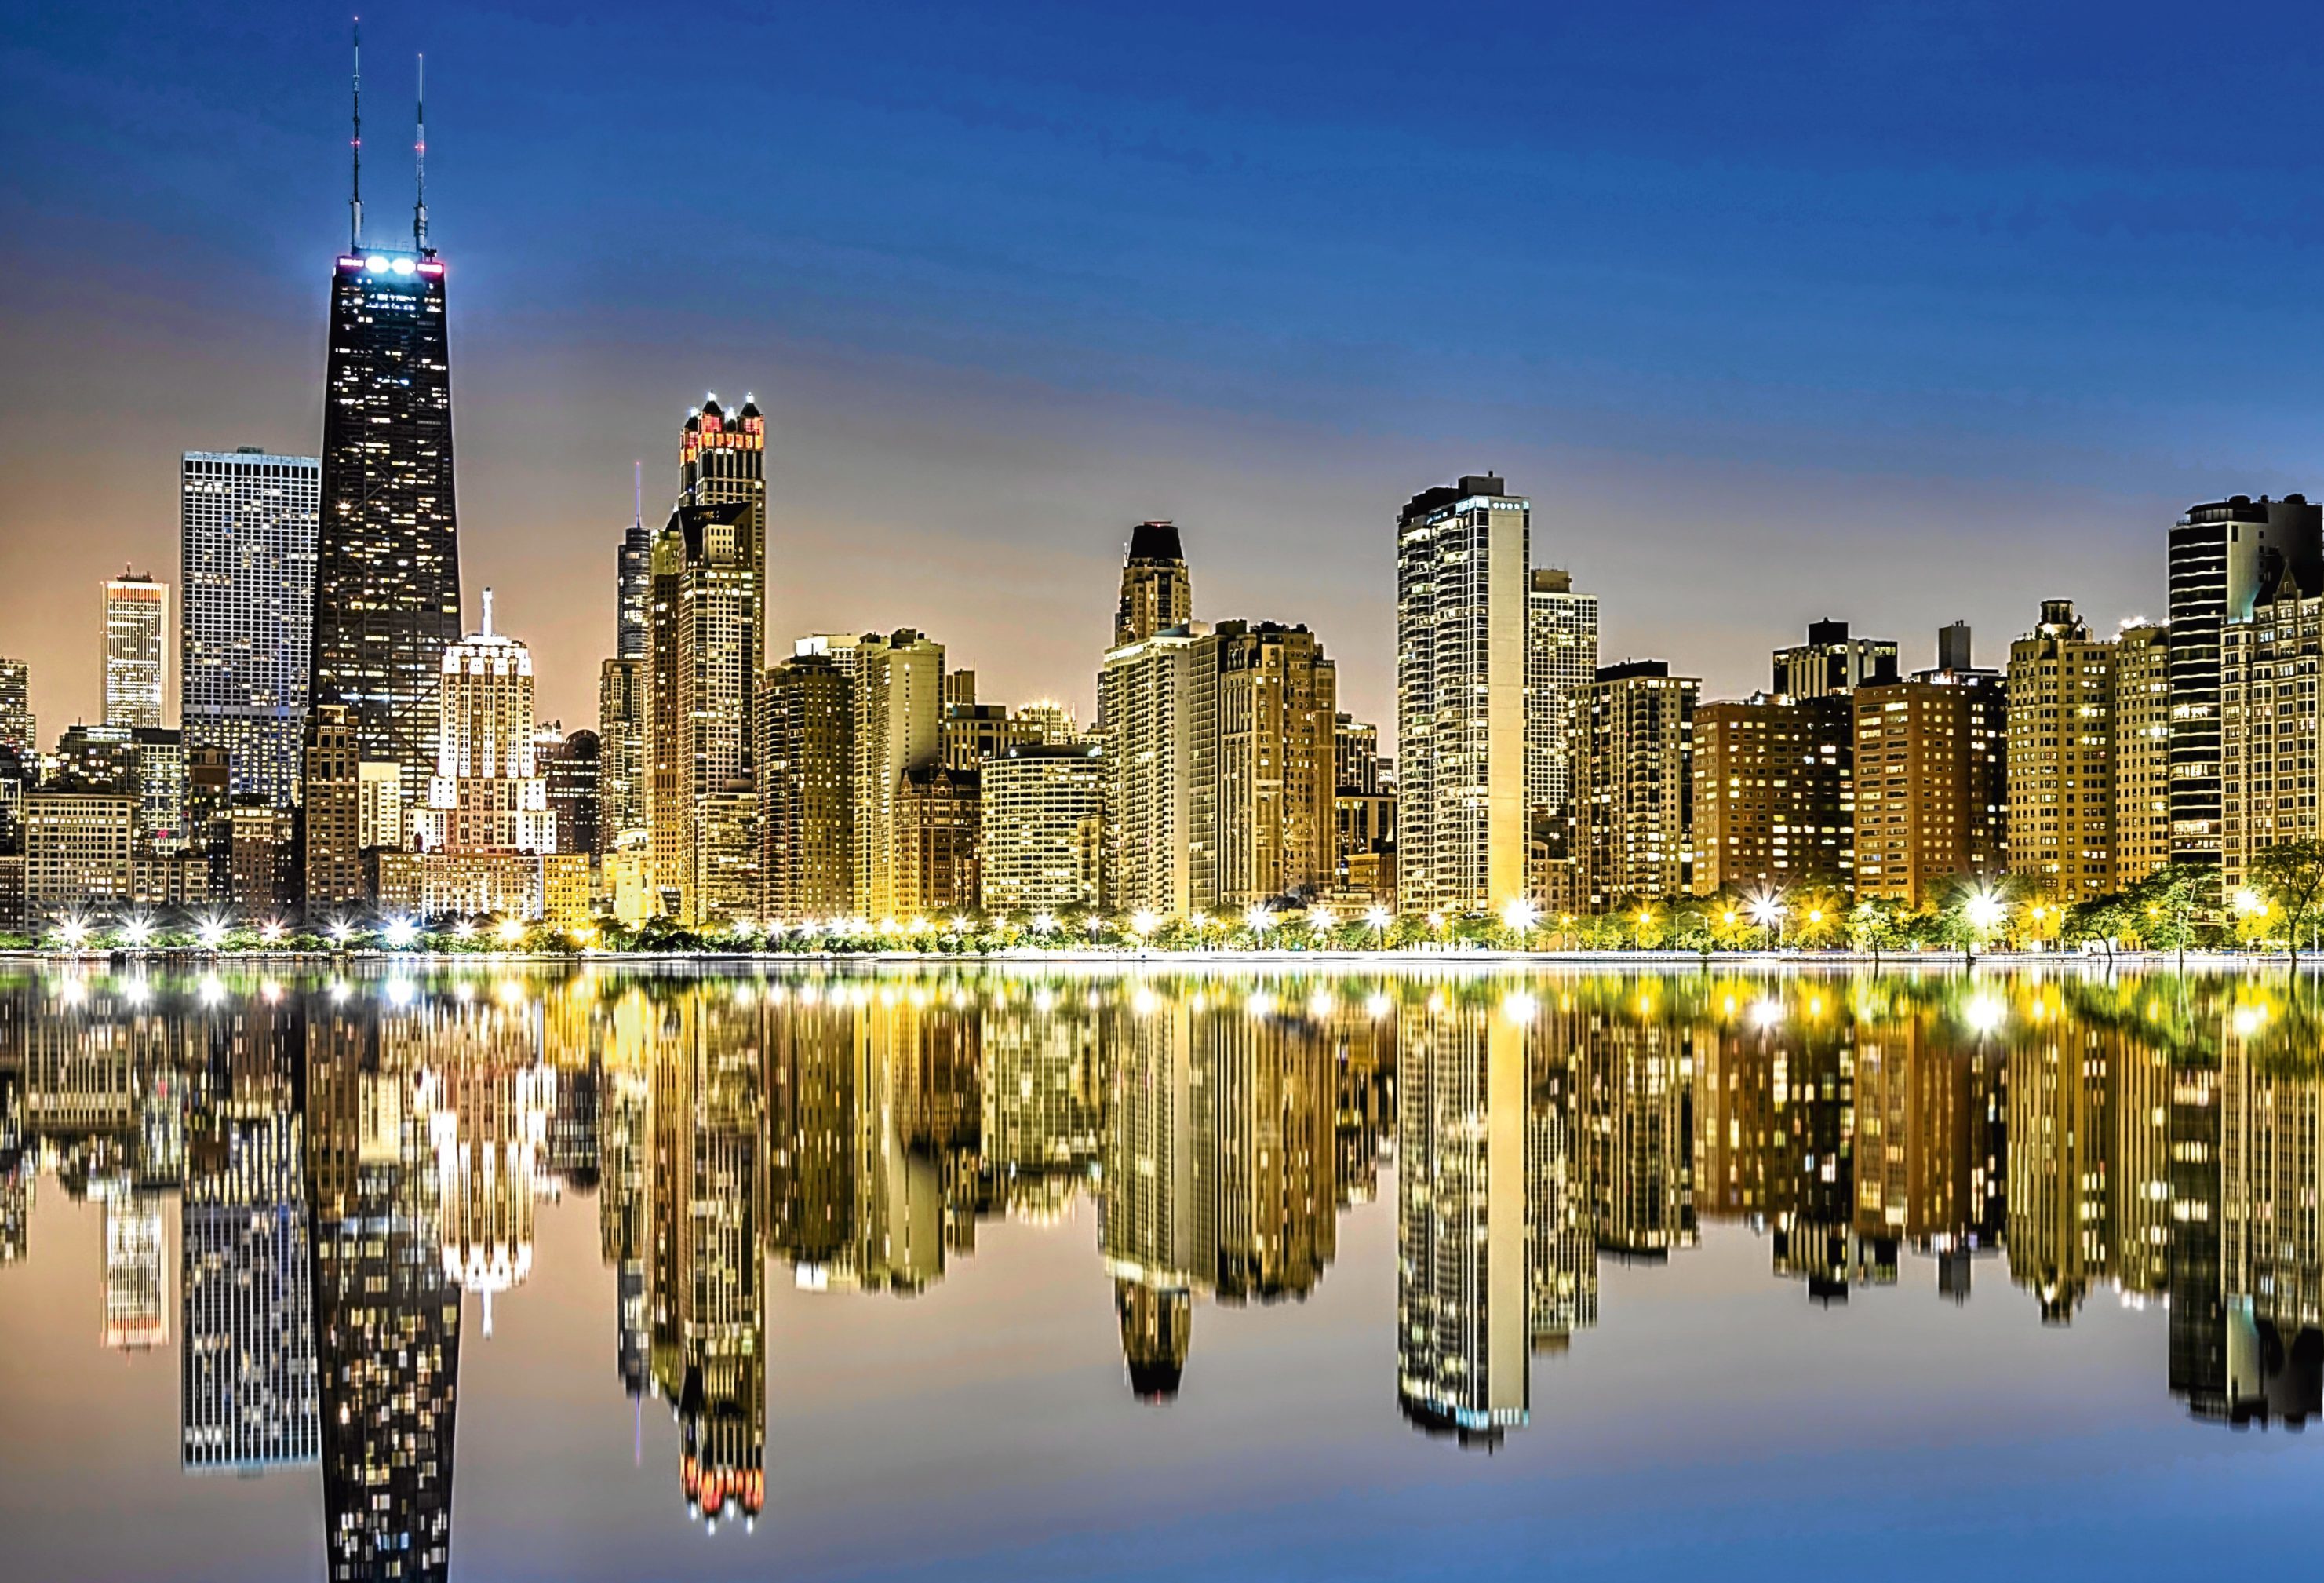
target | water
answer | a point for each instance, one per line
(976, 1272)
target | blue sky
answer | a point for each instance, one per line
(1897, 312)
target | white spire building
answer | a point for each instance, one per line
(488, 794)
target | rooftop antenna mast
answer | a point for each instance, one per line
(420, 162)
(355, 199)
(638, 484)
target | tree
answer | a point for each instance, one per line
(2291, 877)
(1874, 925)
(2165, 905)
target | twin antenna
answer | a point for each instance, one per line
(419, 153)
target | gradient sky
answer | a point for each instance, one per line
(1897, 312)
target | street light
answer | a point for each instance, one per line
(1376, 919)
(1144, 921)
(1518, 916)
(72, 931)
(1043, 923)
(1258, 917)
(401, 932)
(271, 931)
(1319, 919)
(213, 933)
(137, 931)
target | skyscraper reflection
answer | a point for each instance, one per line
(327, 1169)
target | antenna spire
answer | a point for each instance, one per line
(355, 146)
(419, 162)
(488, 613)
(638, 483)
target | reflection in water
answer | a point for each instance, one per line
(339, 1161)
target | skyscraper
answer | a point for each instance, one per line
(136, 649)
(705, 653)
(330, 813)
(620, 750)
(19, 730)
(1158, 696)
(1633, 784)
(899, 695)
(247, 557)
(2269, 719)
(1278, 697)
(487, 794)
(571, 765)
(807, 808)
(1561, 657)
(387, 553)
(2142, 736)
(1156, 589)
(1830, 661)
(1775, 793)
(2223, 555)
(2061, 758)
(633, 591)
(1463, 582)
(1041, 812)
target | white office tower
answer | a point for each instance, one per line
(488, 794)
(246, 548)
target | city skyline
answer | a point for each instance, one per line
(1019, 456)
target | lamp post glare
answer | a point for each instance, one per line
(1321, 919)
(1258, 918)
(212, 932)
(1518, 916)
(1376, 920)
(401, 932)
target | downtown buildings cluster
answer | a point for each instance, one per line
(347, 750)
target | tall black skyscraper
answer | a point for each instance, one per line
(635, 597)
(387, 556)
(2223, 555)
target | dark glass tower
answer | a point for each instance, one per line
(387, 558)
(2223, 555)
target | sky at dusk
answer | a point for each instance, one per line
(1894, 312)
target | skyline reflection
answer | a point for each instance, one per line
(301, 1181)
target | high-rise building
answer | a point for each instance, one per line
(1158, 592)
(1048, 722)
(937, 820)
(2269, 727)
(2223, 555)
(1932, 784)
(1560, 658)
(570, 764)
(379, 809)
(2141, 735)
(974, 732)
(1363, 819)
(1775, 792)
(77, 848)
(1158, 696)
(247, 525)
(1041, 816)
(899, 695)
(20, 729)
(261, 856)
(1830, 661)
(136, 649)
(806, 807)
(330, 813)
(1277, 702)
(2061, 757)
(1634, 785)
(633, 583)
(387, 554)
(488, 794)
(701, 780)
(620, 750)
(1463, 587)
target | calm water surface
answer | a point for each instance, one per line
(982, 1273)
